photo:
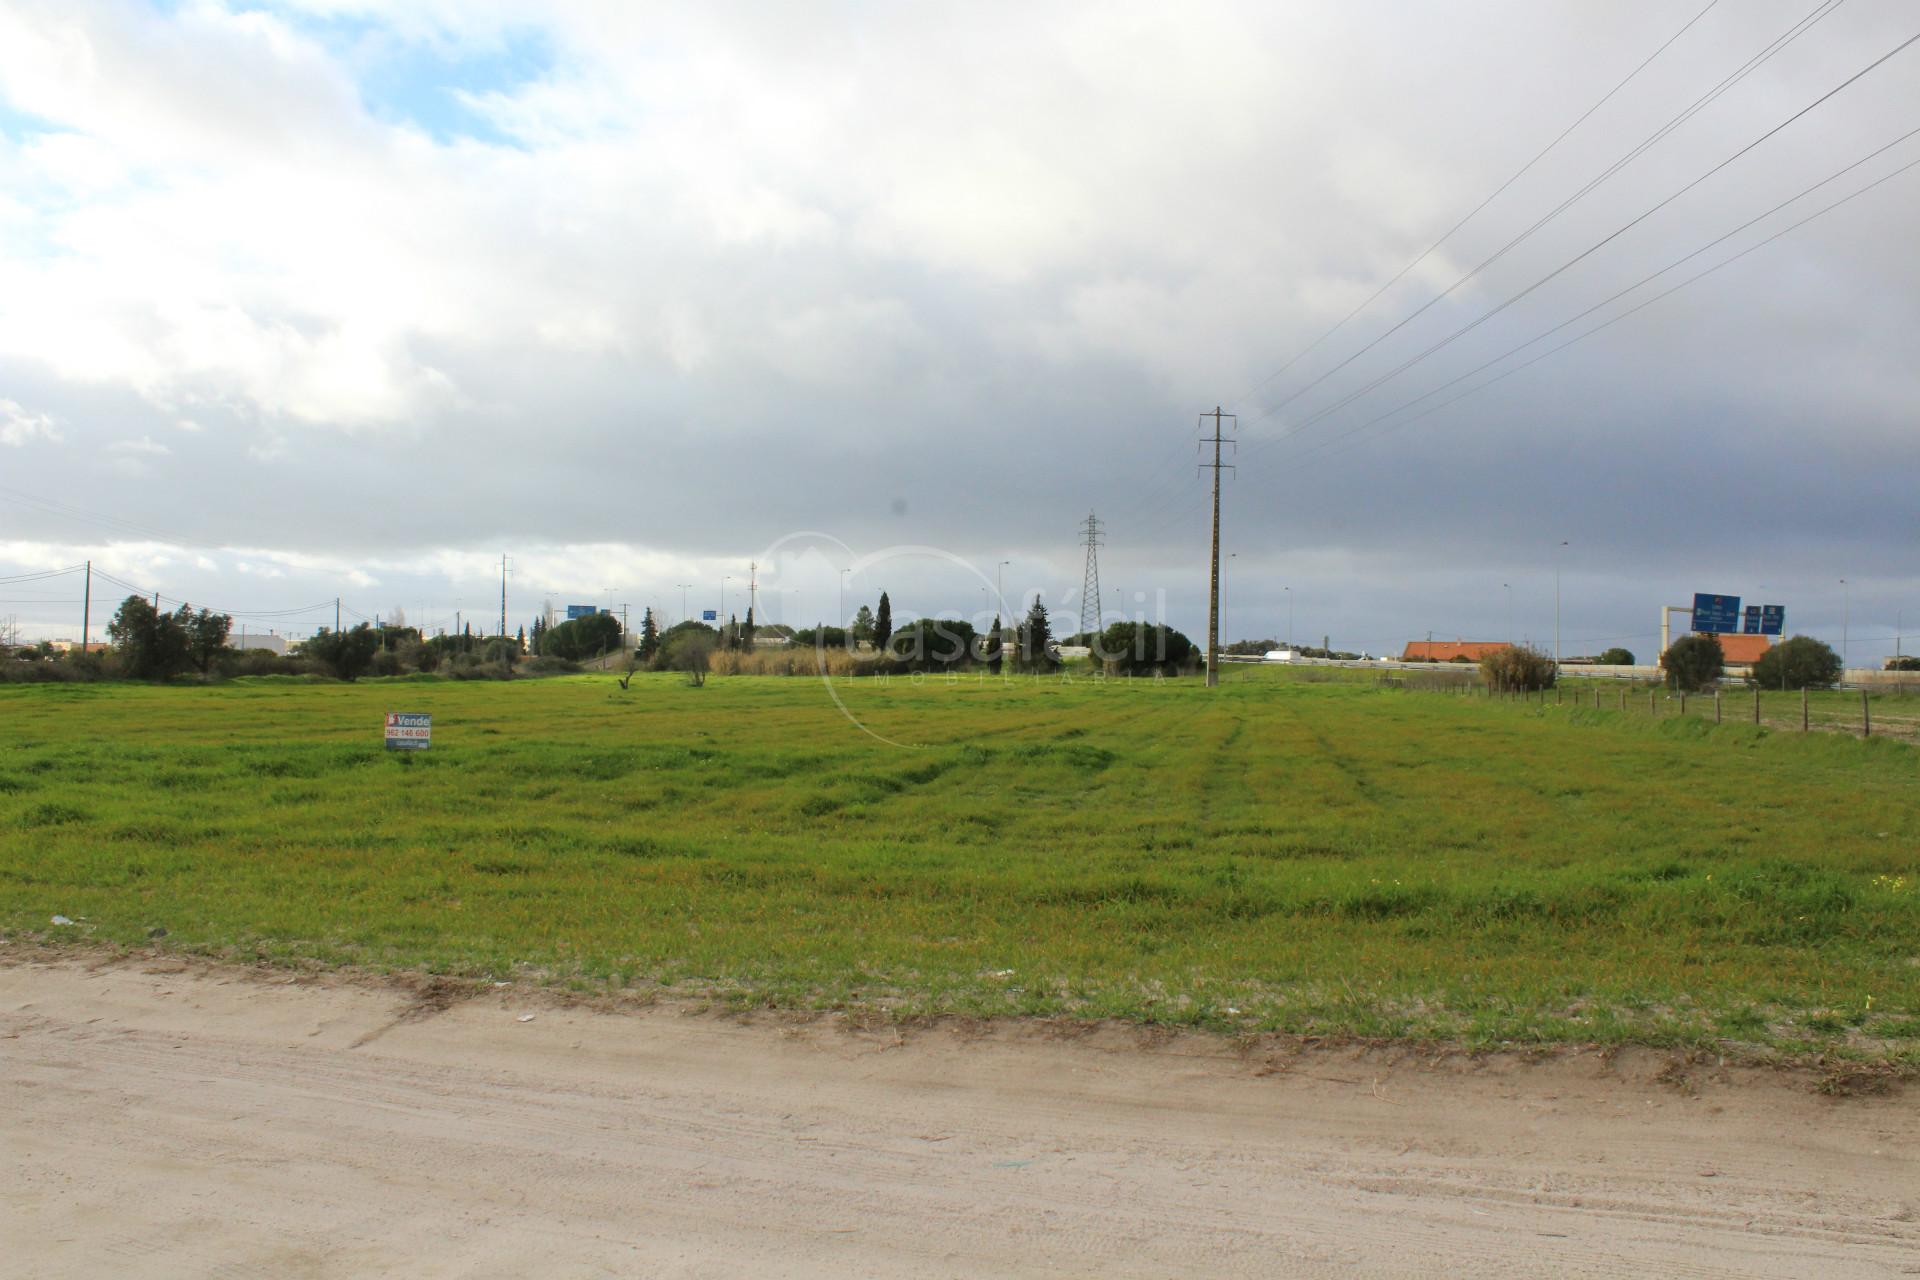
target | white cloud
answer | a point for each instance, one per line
(18, 426)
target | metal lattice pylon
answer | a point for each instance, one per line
(1090, 584)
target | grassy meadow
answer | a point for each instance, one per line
(1321, 856)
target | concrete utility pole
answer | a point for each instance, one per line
(86, 608)
(336, 615)
(1213, 585)
(684, 586)
(503, 595)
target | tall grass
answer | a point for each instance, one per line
(1331, 858)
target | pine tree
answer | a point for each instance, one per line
(746, 634)
(1035, 632)
(882, 624)
(520, 639)
(649, 636)
(863, 625)
(990, 646)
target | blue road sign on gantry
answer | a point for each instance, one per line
(1716, 615)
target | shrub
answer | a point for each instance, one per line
(1903, 664)
(1800, 663)
(1694, 662)
(1616, 657)
(691, 652)
(1518, 666)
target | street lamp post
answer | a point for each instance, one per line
(1509, 587)
(684, 586)
(1846, 612)
(1289, 591)
(843, 596)
(1556, 606)
(725, 578)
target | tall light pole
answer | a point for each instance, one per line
(1509, 587)
(683, 599)
(1556, 605)
(725, 578)
(843, 596)
(1289, 591)
(1846, 610)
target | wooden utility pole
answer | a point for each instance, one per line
(1213, 583)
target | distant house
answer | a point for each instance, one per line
(68, 646)
(1449, 650)
(1742, 650)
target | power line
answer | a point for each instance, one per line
(1160, 497)
(1598, 244)
(1498, 191)
(1581, 337)
(1825, 9)
(1644, 280)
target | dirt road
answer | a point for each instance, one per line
(157, 1119)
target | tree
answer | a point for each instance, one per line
(746, 632)
(649, 636)
(1693, 662)
(991, 645)
(1800, 663)
(1616, 657)
(205, 633)
(150, 645)
(1140, 648)
(863, 626)
(347, 653)
(1906, 663)
(933, 644)
(1031, 645)
(1518, 666)
(883, 623)
(582, 637)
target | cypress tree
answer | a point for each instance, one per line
(882, 624)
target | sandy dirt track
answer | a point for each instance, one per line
(160, 1119)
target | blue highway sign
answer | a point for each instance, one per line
(709, 615)
(1717, 615)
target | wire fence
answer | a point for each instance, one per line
(1891, 711)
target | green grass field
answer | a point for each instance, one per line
(1309, 856)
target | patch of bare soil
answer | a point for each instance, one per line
(179, 1118)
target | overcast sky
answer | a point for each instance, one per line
(347, 297)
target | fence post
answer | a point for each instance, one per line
(1653, 708)
(1803, 708)
(1756, 704)
(1623, 697)
(1866, 717)
(1716, 706)
(1683, 702)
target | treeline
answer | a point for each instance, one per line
(874, 645)
(145, 643)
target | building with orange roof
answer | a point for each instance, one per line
(1739, 650)
(1450, 650)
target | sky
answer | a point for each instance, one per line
(348, 299)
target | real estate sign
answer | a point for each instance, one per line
(409, 731)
